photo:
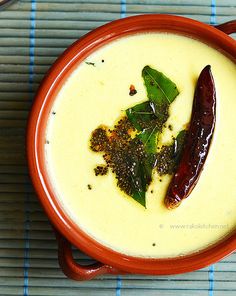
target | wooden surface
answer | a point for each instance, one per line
(32, 35)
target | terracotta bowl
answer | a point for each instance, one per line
(67, 232)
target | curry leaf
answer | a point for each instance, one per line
(149, 139)
(138, 181)
(140, 115)
(142, 179)
(140, 197)
(160, 89)
(148, 118)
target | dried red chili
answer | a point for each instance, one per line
(198, 141)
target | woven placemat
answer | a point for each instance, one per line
(32, 35)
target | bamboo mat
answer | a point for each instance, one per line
(32, 35)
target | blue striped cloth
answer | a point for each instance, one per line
(33, 33)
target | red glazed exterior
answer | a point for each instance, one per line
(70, 233)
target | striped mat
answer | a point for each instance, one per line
(32, 35)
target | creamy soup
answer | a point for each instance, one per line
(97, 92)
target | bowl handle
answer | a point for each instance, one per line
(75, 271)
(227, 28)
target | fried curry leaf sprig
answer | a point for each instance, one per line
(130, 149)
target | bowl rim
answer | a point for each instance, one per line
(36, 125)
